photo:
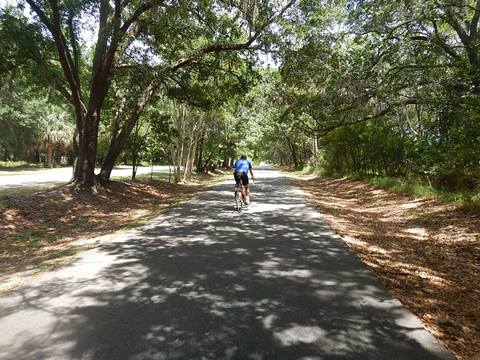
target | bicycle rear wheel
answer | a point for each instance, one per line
(238, 201)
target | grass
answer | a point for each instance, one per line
(25, 190)
(160, 176)
(13, 164)
(197, 177)
(19, 165)
(467, 199)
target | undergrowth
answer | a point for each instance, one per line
(467, 199)
(13, 164)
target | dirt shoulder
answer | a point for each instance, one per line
(426, 253)
(42, 230)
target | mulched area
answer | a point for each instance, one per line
(42, 226)
(425, 252)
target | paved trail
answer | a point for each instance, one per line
(204, 282)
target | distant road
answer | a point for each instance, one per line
(31, 177)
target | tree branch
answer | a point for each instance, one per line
(63, 52)
(145, 6)
(41, 14)
(216, 48)
(437, 40)
(474, 22)
(464, 38)
(390, 108)
(73, 43)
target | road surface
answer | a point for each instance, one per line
(25, 178)
(204, 282)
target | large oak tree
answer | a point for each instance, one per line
(219, 26)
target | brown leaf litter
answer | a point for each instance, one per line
(425, 252)
(46, 225)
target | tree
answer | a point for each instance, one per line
(119, 23)
(32, 125)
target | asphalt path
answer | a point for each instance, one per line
(25, 178)
(203, 281)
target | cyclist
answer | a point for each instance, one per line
(242, 167)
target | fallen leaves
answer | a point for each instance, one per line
(426, 253)
(36, 227)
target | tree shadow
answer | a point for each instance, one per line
(426, 252)
(204, 282)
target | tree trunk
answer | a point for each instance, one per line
(84, 171)
(134, 164)
(176, 166)
(49, 154)
(118, 140)
(293, 152)
(186, 170)
(197, 129)
(200, 150)
(190, 160)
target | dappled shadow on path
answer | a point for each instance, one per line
(206, 282)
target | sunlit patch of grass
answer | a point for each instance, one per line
(468, 199)
(14, 164)
(159, 176)
(472, 205)
(26, 190)
(9, 168)
(197, 177)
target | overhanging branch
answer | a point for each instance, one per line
(216, 48)
(325, 130)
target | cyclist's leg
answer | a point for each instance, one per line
(246, 188)
(238, 191)
(238, 181)
(243, 192)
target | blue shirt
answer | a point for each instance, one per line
(243, 166)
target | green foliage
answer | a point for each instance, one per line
(29, 121)
(385, 89)
(380, 89)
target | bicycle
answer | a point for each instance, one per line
(239, 198)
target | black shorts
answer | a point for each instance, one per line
(241, 177)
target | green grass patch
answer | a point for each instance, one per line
(19, 165)
(467, 199)
(14, 164)
(10, 167)
(197, 177)
(161, 176)
(25, 191)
